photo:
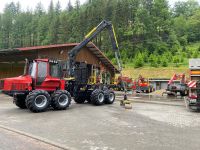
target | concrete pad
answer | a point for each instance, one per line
(107, 127)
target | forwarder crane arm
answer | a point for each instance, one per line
(91, 35)
(176, 76)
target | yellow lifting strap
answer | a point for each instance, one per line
(90, 32)
(115, 36)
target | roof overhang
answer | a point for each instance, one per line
(100, 55)
(8, 51)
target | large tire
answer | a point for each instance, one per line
(20, 102)
(38, 101)
(184, 93)
(97, 97)
(148, 90)
(88, 99)
(109, 96)
(61, 99)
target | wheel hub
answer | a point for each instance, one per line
(40, 101)
(63, 100)
(111, 97)
(101, 97)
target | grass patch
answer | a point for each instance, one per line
(151, 72)
(193, 46)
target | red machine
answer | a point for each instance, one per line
(140, 85)
(143, 85)
(41, 84)
(182, 87)
(128, 83)
(180, 77)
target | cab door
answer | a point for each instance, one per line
(41, 74)
(54, 77)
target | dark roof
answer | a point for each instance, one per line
(91, 46)
(47, 46)
(161, 80)
(8, 51)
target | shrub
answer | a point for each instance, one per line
(153, 60)
(176, 60)
(164, 61)
(139, 61)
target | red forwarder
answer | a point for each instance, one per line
(43, 83)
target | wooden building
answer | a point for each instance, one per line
(12, 60)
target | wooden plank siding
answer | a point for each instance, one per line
(55, 53)
(11, 69)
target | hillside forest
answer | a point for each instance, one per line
(149, 32)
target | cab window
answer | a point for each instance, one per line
(55, 70)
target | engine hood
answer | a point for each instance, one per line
(20, 79)
(20, 83)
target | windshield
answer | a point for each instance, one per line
(55, 70)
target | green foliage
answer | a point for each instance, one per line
(139, 60)
(168, 56)
(176, 60)
(186, 8)
(164, 62)
(153, 59)
(148, 31)
(183, 41)
(195, 54)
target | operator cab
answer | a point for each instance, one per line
(43, 71)
(43, 67)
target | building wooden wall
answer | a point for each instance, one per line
(15, 68)
(11, 69)
(62, 54)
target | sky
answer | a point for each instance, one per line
(32, 3)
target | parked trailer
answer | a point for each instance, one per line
(192, 101)
(174, 89)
